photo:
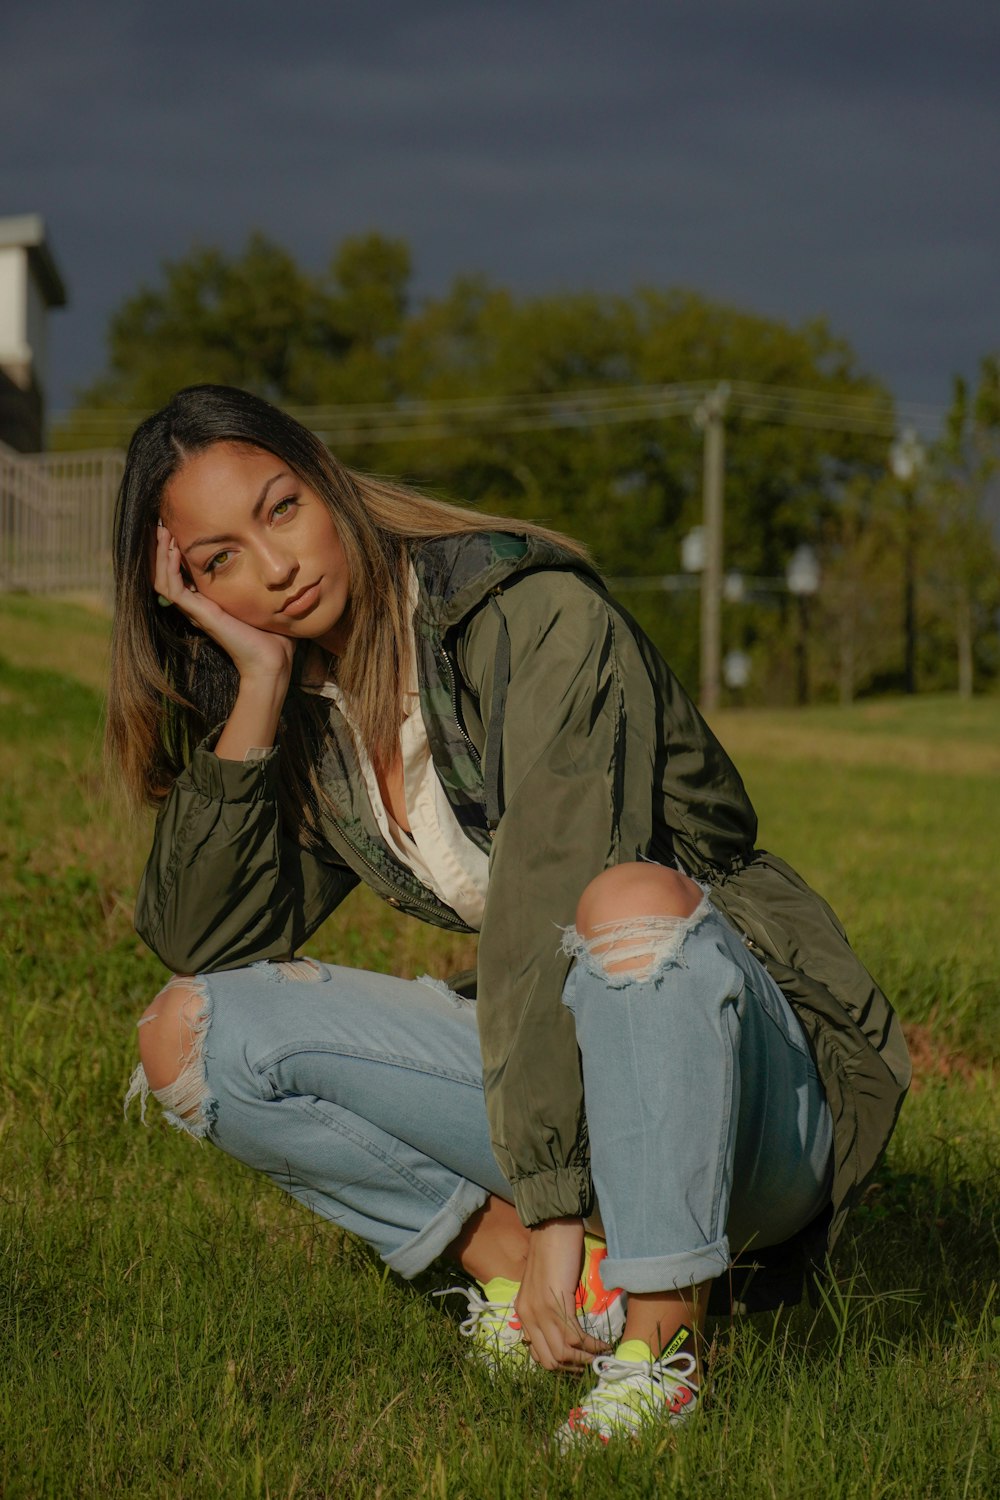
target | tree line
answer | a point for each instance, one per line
(908, 555)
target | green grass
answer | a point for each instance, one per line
(171, 1325)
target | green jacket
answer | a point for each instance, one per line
(566, 745)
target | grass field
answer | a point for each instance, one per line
(174, 1327)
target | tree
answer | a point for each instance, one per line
(631, 488)
(480, 340)
(256, 320)
(857, 606)
(967, 521)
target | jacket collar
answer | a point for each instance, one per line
(456, 573)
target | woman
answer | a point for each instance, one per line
(324, 679)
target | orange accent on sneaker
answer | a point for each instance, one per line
(683, 1396)
(591, 1293)
(576, 1423)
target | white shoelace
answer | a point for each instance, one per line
(496, 1316)
(630, 1393)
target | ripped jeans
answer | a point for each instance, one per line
(361, 1095)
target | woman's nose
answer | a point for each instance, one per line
(277, 567)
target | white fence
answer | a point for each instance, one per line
(56, 511)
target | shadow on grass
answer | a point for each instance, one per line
(932, 1237)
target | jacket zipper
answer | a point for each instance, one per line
(460, 926)
(446, 659)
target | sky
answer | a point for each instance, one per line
(798, 158)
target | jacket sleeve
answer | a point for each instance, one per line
(587, 779)
(223, 886)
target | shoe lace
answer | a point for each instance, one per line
(483, 1316)
(673, 1378)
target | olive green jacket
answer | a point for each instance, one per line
(566, 745)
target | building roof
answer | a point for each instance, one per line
(28, 231)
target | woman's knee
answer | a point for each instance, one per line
(632, 891)
(633, 918)
(170, 1031)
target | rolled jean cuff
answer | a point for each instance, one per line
(668, 1273)
(435, 1237)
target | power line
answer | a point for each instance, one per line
(435, 420)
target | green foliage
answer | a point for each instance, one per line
(895, 818)
(627, 484)
(963, 573)
(372, 276)
(173, 1326)
(632, 489)
(256, 320)
(629, 489)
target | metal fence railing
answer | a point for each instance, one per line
(55, 520)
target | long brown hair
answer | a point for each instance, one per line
(170, 684)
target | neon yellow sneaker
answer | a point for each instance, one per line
(634, 1391)
(494, 1328)
(601, 1312)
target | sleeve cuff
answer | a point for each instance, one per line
(565, 1192)
(232, 780)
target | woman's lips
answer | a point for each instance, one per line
(302, 602)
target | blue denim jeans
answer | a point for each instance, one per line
(361, 1095)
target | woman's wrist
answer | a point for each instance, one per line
(565, 1228)
(263, 681)
(253, 723)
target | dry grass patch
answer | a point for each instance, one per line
(69, 636)
(789, 738)
(933, 1061)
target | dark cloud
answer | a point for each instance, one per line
(798, 159)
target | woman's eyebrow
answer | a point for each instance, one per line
(210, 541)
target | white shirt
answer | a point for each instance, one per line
(436, 850)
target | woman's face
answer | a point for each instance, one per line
(258, 541)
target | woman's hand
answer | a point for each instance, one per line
(256, 654)
(546, 1303)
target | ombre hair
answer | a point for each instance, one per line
(171, 684)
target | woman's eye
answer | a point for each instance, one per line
(282, 508)
(218, 561)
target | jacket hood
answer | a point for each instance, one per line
(457, 573)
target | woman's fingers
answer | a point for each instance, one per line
(172, 583)
(168, 580)
(175, 569)
(555, 1338)
(160, 559)
(250, 648)
(172, 586)
(546, 1303)
(555, 1346)
(559, 1343)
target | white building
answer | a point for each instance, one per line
(30, 285)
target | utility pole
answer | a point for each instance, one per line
(710, 417)
(906, 458)
(802, 578)
(909, 590)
